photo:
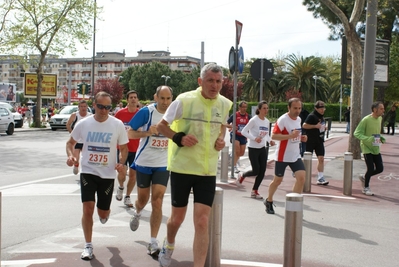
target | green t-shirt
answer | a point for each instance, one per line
(368, 132)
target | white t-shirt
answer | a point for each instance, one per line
(287, 150)
(99, 144)
(153, 150)
(257, 128)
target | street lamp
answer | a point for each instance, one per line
(166, 79)
(315, 80)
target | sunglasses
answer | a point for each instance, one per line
(104, 107)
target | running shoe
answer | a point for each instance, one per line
(119, 193)
(269, 206)
(239, 180)
(255, 194)
(127, 202)
(322, 181)
(362, 180)
(367, 191)
(153, 249)
(103, 221)
(87, 254)
(135, 221)
(236, 169)
(165, 255)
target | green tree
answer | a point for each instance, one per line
(342, 18)
(300, 73)
(145, 79)
(332, 79)
(46, 26)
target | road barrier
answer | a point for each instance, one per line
(307, 159)
(293, 230)
(215, 230)
(224, 165)
(348, 173)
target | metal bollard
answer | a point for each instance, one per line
(0, 222)
(293, 230)
(307, 159)
(215, 231)
(224, 165)
(348, 173)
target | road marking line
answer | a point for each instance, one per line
(249, 263)
(330, 196)
(27, 262)
(36, 181)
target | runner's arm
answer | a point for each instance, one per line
(70, 121)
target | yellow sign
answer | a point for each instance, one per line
(49, 85)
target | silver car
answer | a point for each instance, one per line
(59, 121)
(6, 121)
(18, 119)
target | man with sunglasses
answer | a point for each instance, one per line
(125, 115)
(315, 127)
(101, 134)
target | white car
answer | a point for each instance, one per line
(6, 121)
(18, 119)
(59, 121)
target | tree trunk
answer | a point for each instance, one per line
(356, 92)
(39, 71)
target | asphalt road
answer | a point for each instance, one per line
(41, 211)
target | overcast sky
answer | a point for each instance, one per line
(270, 27)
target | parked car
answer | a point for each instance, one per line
(59, 121)
(6, 121)
(18, 119)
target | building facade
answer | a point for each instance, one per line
(78, 70)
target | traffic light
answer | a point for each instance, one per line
(88, 89)
(79, 88)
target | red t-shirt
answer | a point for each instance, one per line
(125, 116)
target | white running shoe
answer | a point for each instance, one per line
(367, 191)
(119, 194)
(87, 254)
(153, 249)
(255, 194)
(135, 221)
(128, 202)
(103, 221)
(322, 181)
(165, 255)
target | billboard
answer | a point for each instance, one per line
(8, 92)
(381, 68)
(49, 85)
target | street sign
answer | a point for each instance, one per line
(232, 58)
(238, 31)
(240, 60)
(268, 69)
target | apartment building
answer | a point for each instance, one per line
(78, 70)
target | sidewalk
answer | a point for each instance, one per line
(338, 230)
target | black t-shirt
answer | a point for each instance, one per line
(315, 135)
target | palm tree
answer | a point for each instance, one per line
(300, 76)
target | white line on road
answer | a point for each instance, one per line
(35, 181)
(26, 263)
(330, 196)
(249, 263)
